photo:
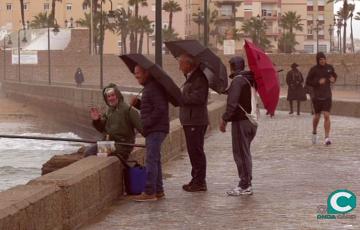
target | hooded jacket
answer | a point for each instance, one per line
(321, 92)
(119, 122)
(239, 92)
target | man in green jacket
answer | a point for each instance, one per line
(118, 123)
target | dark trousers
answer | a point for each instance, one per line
(195, 135)
(291, 106)
(243, 132)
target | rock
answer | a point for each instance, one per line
(60, 161)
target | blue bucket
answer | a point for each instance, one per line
(135, 180)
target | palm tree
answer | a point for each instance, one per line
(357, 17)
(40, 21)
(198, 18)
(351, 15)
(345, 8)
(170, 35)
(255, 28)
(121, 26)
(171, 7)
(133, 33)
(52, 15)
(144, 24)
(289, 21)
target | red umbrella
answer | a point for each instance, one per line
(266, 78)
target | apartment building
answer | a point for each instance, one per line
(316, 15)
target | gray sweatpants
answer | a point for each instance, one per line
(243, 132)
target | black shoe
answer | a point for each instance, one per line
(191, 187)
(291, 112)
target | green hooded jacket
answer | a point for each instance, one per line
(119, 123)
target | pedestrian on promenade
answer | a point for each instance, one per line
(79, 77)
(194, 119)
(242, 130)
(320, 77)
(118, 123)
(296, 92)
(154, 110)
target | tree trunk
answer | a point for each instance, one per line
(22, 13)
(136, 30)
(132, 41)
(345, 8)
(141, 39)
(170, 19)
(52, 17)
(148, 48)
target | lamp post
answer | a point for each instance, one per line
(9, 43)
(55, 30)
(23, 40)
(331, 30)
(199, 22)
(258, 38)
(158, 33)
(111, 17)
(206, 25)
(339, 25)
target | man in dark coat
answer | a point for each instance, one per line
(320, 77)
(296, 92)
(154, 110)
(242, 130)
(194, 119)
(79, 77)
(118, 123)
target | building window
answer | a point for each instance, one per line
(68, 6)
(8, 6)
(321, 8)
(153, 7)
(321, 2)
(26, 6)
(119, 43)
(323, 48)
(310, 2)
(226, 10)
(85, 6)
(310, 8)
(46, 6)
(309, 48)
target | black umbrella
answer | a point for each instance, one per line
(172, 90)
(210, 64)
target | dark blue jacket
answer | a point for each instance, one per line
(154, 108)
(195, 98)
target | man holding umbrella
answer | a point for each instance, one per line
(194, 118)
(158, 90)
(203, 70)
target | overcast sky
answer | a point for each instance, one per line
(356, 23)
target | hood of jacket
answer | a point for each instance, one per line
(117, 91)
(318, 56)
(238, 64)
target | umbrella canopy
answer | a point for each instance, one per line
(265, 75)
(172, 90)
(210, 64)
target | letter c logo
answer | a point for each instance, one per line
(341, 201)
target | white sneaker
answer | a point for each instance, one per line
(239, 191)
(327, 141)
(314, 139)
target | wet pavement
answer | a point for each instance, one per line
(291, 179)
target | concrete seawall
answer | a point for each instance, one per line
(69, 197)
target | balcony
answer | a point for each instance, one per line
(269, 14)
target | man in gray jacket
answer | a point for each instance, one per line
(242, 130)
(194, 119)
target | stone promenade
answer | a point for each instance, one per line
(292, 178)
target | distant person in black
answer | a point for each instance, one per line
(296, 92)
(320, 77)
(79, 77)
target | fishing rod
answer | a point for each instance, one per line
(66, 139)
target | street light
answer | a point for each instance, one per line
(23, 40)
(331, 30)
(339, 25)
(55, 30)
(199, 22)
(9, 43)
(111, 18)
(206, 24)
(317, 29)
